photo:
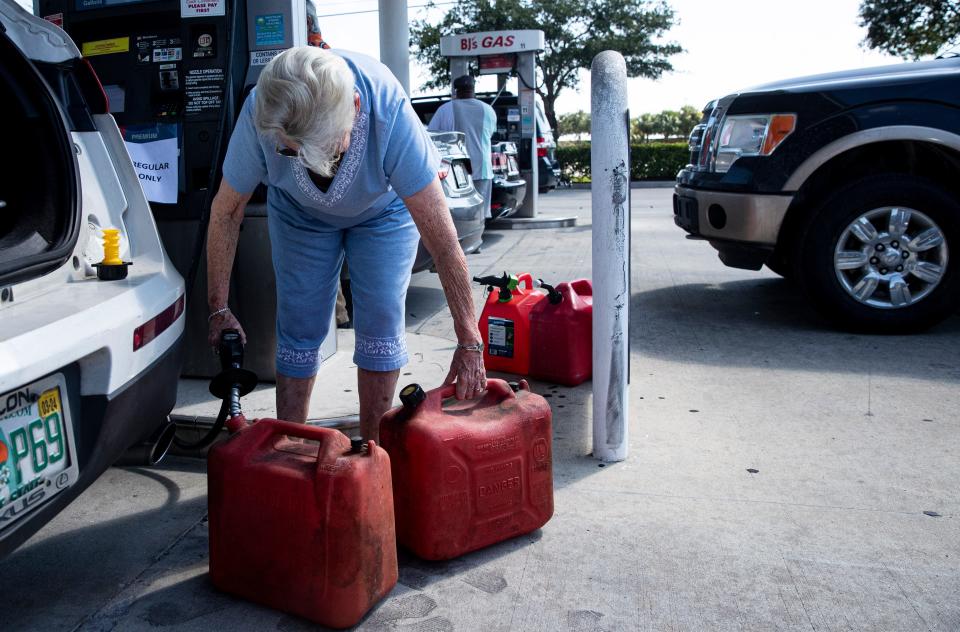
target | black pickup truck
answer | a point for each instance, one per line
(847, 183)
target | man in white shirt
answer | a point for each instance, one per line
(478, 122)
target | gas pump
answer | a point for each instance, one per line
(175, 73)
(511, 53)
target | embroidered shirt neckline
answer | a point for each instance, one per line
(347, 172)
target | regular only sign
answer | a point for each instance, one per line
(491, 43)
(155, 154)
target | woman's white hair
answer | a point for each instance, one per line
(306, 95)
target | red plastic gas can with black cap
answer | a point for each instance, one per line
(561, 334)
(468, 474)
(306, 527)
(505, 324)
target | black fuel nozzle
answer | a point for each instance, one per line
(553, 295)
(234, 381)
(230, 349)
(506, 284)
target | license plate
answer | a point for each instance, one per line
(37, 454)
(459, 175)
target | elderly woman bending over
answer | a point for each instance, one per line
(350, 172)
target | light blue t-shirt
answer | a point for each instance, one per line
(478, 122)
(390, 155)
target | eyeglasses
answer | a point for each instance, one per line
(286, 152)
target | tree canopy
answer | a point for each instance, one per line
(910, 28)
(670, 124)
(666, 125)
(574, 123)
(575, 30)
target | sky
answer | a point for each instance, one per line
(728, 46)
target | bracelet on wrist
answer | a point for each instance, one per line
(215, 313)
(478, 347)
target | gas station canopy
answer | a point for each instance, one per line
(506, 52)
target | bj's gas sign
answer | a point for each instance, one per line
(491, 43)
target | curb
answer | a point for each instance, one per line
(636, 184)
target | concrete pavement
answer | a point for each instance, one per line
(782, 476)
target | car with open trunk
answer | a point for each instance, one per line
(88, 367)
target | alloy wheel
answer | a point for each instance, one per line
(891, 257)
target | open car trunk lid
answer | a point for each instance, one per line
(39, 182)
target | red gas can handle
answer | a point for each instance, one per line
(572, 296)
(583, 287)
(494, 386)
(328, 450)
(302, 431)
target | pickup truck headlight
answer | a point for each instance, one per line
(751, 135)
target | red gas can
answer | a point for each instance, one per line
(561, 334)
(468, 474)
(505, 325)
(304, 527)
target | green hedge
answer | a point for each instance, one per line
(648, 161)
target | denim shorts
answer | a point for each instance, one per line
(307, 256)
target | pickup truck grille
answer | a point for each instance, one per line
(703, 136)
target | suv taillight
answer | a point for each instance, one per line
(149, 330)
(541, 147)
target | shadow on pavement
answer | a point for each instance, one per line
(491, 238)
(81, 568)
(423, 303)
(149, 569)
(193, 602)
(767, 322)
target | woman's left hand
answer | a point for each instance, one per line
(467, 369)
(428, 208)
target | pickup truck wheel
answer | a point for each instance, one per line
(881, 255)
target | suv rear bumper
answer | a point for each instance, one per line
(105, 427)
(743, 227)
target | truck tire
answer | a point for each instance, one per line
(881, 255)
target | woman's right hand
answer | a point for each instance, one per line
(221, 322)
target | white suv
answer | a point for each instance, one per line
(87, 367)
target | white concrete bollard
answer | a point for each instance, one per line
(610, 169)
(395, 40)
